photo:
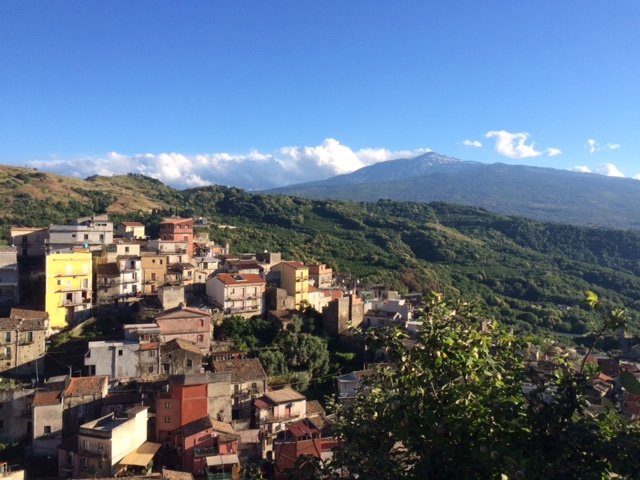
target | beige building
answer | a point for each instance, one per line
(248, 382)
(294, 278)
(9, 277)
(320, 275)
(238, 294)
(105, 443)
(22, 342)
(133, 230)
(154, 271)
(30, 241)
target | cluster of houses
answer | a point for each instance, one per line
(164, 393)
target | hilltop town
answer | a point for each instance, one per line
(124, 354)
(159, 386)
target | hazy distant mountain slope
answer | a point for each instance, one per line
(540, 193)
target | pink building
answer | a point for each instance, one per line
(186, 323)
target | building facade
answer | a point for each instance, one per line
(237, 294)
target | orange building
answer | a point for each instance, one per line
(178, 230)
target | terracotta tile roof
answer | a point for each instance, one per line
(9, 323)
(182, 312)
(196, 426)
(242, 370)
(108, 269)
(81, 386)
(314, 408)
(149, 346)
(45, 397)
(283, 395)
(223, 427)
(28, 313)
(239, 278)
(296, 265)
(133, 224)
(180, 343)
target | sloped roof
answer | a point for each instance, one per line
(182, 344)
(196, 426)
(28, 313)
(108, 269)
(81, 386)
(133, 224)
(283, 395)
(223, 427)
(46, 397)
(239, 278)
(242, 370)
(182, 312)
(177, 220)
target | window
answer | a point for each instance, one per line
(150, 368)
(59, 282)
(86, 236)
(152, 353)
(102, 237)
(167, 419)
(254, 385)
(126, 249)
(120, 352)
(201, 322)
(189, 362)
(200, 338)
(167, 404)
(29, 337)
(1, 423)
(153, 276)
(7, 336)
(47, 429)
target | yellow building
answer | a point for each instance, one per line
(294, 278)
(68, 287)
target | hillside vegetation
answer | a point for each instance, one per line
(529, 273)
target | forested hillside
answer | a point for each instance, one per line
(529, 273)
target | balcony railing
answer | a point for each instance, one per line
(220, 476)
(205, 451)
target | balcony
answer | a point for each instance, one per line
(76, 302)
(205, 451)
(220, 476)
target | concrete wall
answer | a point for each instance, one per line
(9, 277)
(47, 416)
(116, 359)
(15, 414)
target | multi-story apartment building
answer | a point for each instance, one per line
(104, 444)
(294, 278)
(132, 230)
(154, 271)
(178, 230)
(30, 241)
(248, 382)
(9, 277)
(321, 275)
(68, 289)
(22, 342)
(186, 398)
(187, 323)
(88, 232)
(130, 268)
(237, 294)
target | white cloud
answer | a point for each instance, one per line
(253, 170)
(472, 143)
(636, 177)
(553, 152)
(581, 169)
(613, 146)
(513, 145)
(609, 170)
(592, 145)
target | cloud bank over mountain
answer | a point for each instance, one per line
(253, 170)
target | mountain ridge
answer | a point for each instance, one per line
(540, 193)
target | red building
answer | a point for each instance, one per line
(304, 437)
(178, 403)
(178, 230)
(205, 442)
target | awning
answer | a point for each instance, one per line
(220, 460)
(142, 456)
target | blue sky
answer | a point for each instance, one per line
(195, 92)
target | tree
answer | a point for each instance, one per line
(454, 407)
